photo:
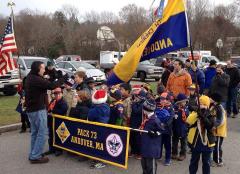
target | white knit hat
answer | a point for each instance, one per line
(99, 97)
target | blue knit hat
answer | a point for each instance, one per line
(142, 95)
(163, 115)
(181, 98)
(149, 105)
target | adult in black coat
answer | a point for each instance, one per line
(220, 84)
(234, 74)
(36, 94)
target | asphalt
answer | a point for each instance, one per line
(14, 158)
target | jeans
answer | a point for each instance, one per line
(166, 142)
(39, 132)
(193, 168)
(232, 101)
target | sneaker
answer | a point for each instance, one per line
(167, 163)
(99, 165)
(58, 153)
(219, 164)
(138, 157)
(40, 160)
(22, 131)
(175, 157)
(234, 115)
(182, 157)
(130, 155)
(213, 164)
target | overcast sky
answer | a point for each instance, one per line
(82, 5)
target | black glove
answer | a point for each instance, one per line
(65, 77)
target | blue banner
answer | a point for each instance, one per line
(103, 142)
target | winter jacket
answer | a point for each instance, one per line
(209, 74)
(150, 145)
(81, 86)
(220, 84)
(165, 120)
(194, 137)
(179, 122)
(116, 113)
(200, 79)
(99, 113)
(81, 110)
(179, 83)
(60, 107)
(36, 91)
(220, 122)
(136, 115)
(127, 109)
(234, 77)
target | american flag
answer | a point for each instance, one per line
(7, 47)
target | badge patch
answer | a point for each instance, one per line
(114, 145)
(63, 132)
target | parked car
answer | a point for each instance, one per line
(9, 82)
(158, 61)
(236, 60)
(71, 67)
(68, 58)
(146, 70)
(25, 63)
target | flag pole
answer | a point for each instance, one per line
(11, 4)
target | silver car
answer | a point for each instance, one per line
(71, 67)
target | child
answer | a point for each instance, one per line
(220, 127)
(57, 106)
(150, 142)
(166, 125)
(192, 103)
(125, 89)
(116, 107)
(22, 109)
(90, 85)
(83, 105)
(180, 127)
(100, 112)
(135, 123)
(200, 136)
(69, 94)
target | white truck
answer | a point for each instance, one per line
(109, 58)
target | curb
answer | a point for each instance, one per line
(11, 127)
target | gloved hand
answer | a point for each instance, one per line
(153, 133)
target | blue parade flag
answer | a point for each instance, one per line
(166, 34)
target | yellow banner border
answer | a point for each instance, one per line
(98, 124)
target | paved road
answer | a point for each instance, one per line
(14, 153)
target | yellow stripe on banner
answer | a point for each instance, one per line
(99, 124)
(131, 59)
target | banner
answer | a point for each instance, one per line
(98, 141)
(166, 34)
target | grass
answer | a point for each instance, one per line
(8, 115)
(154, 87)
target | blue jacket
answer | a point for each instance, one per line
(116, 113)
(136, 115)
(151, 146)
(209, 74)
(179, 124)
(99, 113)
(166, 120)
(200, 79)
(60, 107)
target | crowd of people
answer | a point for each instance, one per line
(190, 108)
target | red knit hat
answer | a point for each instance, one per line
(99, 97)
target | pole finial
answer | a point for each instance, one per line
(11, 4)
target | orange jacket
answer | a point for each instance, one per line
(179, 83)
